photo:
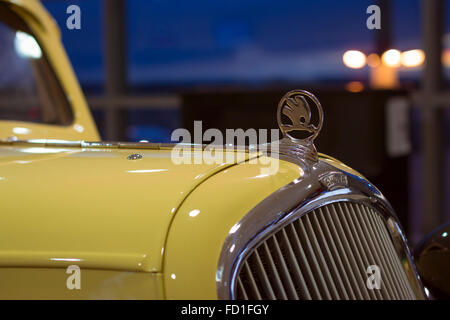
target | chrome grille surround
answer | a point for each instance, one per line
(297, 200)
(324, 255)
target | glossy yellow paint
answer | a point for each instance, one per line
(92, 206)
(201, 217)
(138, 229)
(97, 209)
(47, 34)
(50, 283)
(204, 220)
(338, 164)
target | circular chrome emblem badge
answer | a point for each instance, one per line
(294, 106)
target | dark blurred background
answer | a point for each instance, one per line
(148, 67)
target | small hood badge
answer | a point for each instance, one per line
(134, 156)
(333, 180)
(294, 108)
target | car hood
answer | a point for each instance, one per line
(90, 206)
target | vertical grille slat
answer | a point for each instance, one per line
(251, 280)
(396, 285)
(363, 250)
(349, 251)
(322, 263)
(293, 264)
(335, 258)
(324, 254)
(369, 240)
(309, 278)
(353, 283)
(389, 260)
(312, 259)
(281, 293)
(336, 275)
(385, 266)
(241, 290)
(283, 270)
(395, 261)
(263, 276)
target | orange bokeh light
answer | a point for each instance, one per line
(373, 60)
(354, 86)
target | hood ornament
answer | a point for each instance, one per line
(294, 117)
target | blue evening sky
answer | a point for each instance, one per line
(198, 41)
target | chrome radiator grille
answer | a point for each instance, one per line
(324, 255)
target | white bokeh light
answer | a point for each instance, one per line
(26, 46)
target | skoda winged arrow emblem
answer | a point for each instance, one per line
(295, 107)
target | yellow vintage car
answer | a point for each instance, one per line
(85, 219)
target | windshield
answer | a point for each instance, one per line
(29, 89)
